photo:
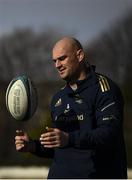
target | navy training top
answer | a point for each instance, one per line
(93, 116)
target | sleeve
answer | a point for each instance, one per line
(43, 152)
(108, 116)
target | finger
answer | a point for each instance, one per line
(19, 147)
(49, 129)
(48, 139)
(52, 130)
(19, 138)
(48, 134)
(49, 143)
(51, 146)
(19, 142)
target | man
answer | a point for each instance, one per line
(86, 139)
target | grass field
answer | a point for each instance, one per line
(23, 172)
(30, 173)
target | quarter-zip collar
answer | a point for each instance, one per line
(90, 80)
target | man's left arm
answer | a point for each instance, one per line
(109, 122)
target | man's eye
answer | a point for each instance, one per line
(62, 58)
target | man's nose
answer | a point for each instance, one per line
(57, 64)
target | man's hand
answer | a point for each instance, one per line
(23, 142)
(54, 138)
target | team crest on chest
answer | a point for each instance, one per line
(67, 108)
(78, 99)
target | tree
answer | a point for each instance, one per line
(112, 53)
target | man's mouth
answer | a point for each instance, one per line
(61, 71)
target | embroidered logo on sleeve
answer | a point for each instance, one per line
(103, 83)
(111, 117)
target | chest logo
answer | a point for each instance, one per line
(58, 103)
(67, 108)
(78, 99)
(80, 117)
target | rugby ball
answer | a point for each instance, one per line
(21, 98)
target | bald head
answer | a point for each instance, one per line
(68, 42)
(68, 56)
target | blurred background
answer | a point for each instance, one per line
(28, 31)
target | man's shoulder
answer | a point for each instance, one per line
(60, 91)
(107, 87)
(105, 83)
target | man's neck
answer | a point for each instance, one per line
(82, 76)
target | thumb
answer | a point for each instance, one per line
(49, 129)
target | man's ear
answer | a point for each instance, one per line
(80, 55)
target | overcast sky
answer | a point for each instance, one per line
(85, 18)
